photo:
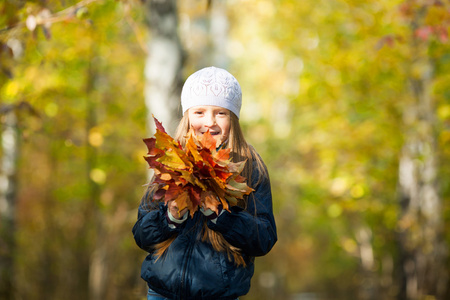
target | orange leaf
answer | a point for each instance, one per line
(192, 148)
(223, 156)
(210, 201)
(208, 142)
(182, 200)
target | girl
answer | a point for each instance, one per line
(208, 256)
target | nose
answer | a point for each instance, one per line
(210, 120)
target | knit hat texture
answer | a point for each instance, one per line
(212, 86)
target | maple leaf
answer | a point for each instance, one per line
(197, 176)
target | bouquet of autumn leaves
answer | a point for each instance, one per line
(197, 176)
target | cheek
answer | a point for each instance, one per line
(196, 126)
(226, 129)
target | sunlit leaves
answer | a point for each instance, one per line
(339, 161)
(434, 19)
(89, 69)
(199, 175)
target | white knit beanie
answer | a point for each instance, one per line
(212, 86)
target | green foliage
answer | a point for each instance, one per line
(81, 163)
(333, 79)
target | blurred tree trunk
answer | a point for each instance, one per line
(219, 34)
(422, 245)
(97, 266)
(8, 190)
(163, 69)
(368, 290)
(8, 167)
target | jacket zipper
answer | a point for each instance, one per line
(185, 267)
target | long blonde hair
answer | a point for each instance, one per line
(240, 151)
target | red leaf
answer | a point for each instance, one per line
(159, 125)
(442, 34)
(159, 194)
(172, 193)
(424, 32)
(195, 194)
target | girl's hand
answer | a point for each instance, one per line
(173, 210)
(210, 214)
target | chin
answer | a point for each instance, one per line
(219, 141)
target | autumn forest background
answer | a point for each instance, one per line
(347, 101)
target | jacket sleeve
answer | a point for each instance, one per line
(252, 230)
(152, 226)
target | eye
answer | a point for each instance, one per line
(222, 113)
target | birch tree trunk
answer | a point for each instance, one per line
(10, 150)
(219, 34)
(98, 267)
(369, 290)
(422, 246)
(163, 68)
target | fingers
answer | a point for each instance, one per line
(182, 212)
(173, 209)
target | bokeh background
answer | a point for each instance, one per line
(347, 101)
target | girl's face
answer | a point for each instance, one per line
(216, 119)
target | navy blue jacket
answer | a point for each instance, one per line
(192, 269)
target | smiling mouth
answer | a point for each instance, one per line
(212, 133)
